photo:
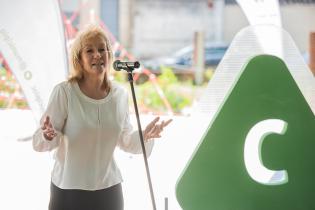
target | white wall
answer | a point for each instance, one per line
(297, 19)
(160, 27)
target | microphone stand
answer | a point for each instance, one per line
(130, 79)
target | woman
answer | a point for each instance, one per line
(86, 117)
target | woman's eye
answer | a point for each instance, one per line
(102, 50)
(89, 51)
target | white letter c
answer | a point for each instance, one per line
(252, 152)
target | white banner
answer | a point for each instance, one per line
(32, 42)
(265, 12)
(261, 12)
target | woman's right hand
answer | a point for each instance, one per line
(48, 129)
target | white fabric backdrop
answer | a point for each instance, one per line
(32, 41)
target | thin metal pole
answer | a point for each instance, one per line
(130, 78)
(166, 203)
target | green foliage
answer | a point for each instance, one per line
(208, 74)
(167, 76)
(119, 77)
(178, 94)
(3, 72)
(7, 88)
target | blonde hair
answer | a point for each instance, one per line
(76, 69)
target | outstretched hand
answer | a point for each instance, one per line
(154, 129)
(48, 129)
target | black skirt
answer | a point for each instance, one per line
(106, 199)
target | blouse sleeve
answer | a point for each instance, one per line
(129, 140)
(57, 111)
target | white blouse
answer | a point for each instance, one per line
(88, 131)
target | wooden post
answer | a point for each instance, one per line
(90, 12)
(198, 57)
(312, 52)
(126, 17)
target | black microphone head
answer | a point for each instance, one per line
(115, 65)
(137, 64)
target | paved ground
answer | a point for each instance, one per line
(25, 174)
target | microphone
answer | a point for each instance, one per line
(128, 66)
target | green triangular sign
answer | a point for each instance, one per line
(259, 152)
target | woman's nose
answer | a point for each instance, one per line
(97, 54)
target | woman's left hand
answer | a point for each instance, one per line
(154, 129)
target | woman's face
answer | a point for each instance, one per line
(94, 57)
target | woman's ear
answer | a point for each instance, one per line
(80, 62)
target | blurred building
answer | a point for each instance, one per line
(150, 28)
